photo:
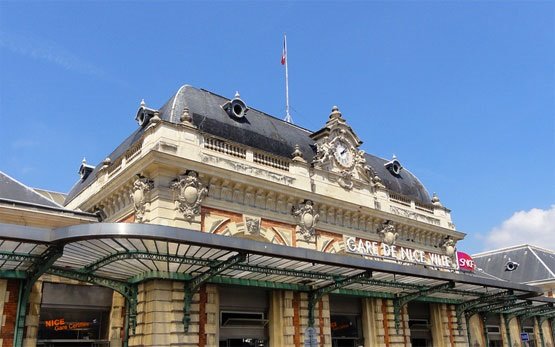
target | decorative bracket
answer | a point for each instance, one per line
(315, 295)
(128, 291)
(37, 269)
(401, 301)
(462, 307)
(491, 307)
(192, 286)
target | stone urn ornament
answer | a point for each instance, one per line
(387, 233)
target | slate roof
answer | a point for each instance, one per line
(535, 264)
(13, 190)
(258, 130)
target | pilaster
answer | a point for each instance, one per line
(117, 320)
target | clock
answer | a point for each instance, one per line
(343, 154)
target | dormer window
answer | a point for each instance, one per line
(394, 166)
(144, 114)
(85, 169)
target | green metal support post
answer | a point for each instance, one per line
(37, 269)
(542, 339)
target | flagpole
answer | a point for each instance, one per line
(288, 118)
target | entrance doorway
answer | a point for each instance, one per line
(243, 317)
(345, 321)
(419, 324)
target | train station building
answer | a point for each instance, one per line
(216, 224)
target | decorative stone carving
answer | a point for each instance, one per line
(337, 152)
(436, 201)
(189, 194)
(448, 246)
(387, 233)
(141, 187)
(306, 219)
(346, 180)
(297, 154)
(252, 225)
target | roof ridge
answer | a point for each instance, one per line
(30, 189)
(541, 261)
(493, 251)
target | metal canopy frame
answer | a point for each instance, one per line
(120, 256)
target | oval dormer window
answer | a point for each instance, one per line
(394, 166)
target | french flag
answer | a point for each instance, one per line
(284, 52)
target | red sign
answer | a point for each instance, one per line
(466, 263)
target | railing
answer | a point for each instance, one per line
(399, 198)
(424, 207)
(224, 147)
(271, 161)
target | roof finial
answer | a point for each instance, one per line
(84, 161)
(435, 200)
(237, 96)
(143, 103)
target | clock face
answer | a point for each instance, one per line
(343, 154)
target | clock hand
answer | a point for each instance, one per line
(344, 151)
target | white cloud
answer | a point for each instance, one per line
(534, 227)
(48, 51)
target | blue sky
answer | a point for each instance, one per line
(462, 92)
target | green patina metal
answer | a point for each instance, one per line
(538, 311)
(400, 301)
(530, 312)
(192, 286)
(10, 274)
(38, 267)
(462, 307)
(508, 307)
(490, 307)
(12, 256)
(315, 295)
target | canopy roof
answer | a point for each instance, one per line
(131, 253)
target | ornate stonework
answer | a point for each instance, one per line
(139, 193)
(413, 215)
(387, 233)
(252, 225)
(448, 246)
(189, 194)
(306, 219)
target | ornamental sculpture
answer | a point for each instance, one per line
(141, 187)
(252, 225)
(387, 233)
(448, 246)
(189, 194)
(306, 219)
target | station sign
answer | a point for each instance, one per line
(466, 263)
(524, 337)
(380, 250)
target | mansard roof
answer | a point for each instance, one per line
(535, 264)
(257, 130)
